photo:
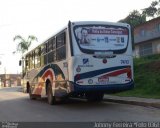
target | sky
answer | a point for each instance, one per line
(42, 18)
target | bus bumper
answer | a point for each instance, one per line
(103, 88)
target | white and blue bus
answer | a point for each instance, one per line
(84, 59)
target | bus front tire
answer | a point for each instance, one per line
(94, 97)
(51, 98)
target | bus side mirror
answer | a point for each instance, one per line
(20, 63)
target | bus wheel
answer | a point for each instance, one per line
(92, 96)
(51, 98)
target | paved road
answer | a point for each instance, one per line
(16, 106)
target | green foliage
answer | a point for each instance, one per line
(146, 69)
(153, 10)
(147, 77)
(24, 44)
(134, 18)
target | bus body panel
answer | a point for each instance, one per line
(102, 71)
(56, 74)
(105, 73)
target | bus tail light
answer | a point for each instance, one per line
(78, 76)
(129, 73)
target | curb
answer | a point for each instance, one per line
(133, 102)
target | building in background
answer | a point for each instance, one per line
(10, 80)
(147, 38)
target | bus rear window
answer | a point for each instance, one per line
(92, 38)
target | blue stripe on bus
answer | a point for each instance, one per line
(97, 72)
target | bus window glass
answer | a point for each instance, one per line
(37, 58)
(43, 49)
(50, 45)
(26, 62)
(101, 38)
(46, 47)
(54, 43)
(61, 47)
(42, 52)
(60, 40)
(51, 57)
(31, 60)
(45, 55)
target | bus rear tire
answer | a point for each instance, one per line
(51, 99)
(94, 96)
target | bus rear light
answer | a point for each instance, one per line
(129, 74)
(78, 77)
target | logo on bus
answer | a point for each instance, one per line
(86, 61)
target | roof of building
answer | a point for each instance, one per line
(149, 21)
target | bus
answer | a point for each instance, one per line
(85, 59)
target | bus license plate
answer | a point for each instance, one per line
(103, 80)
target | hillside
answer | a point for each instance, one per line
(147, 78)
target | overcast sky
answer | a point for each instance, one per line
(43, 18)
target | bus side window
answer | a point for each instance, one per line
(50, 51)
(30, 60)
(33, 59)
(61, 46)
(39, 54)
(26, 62)
(54, 48)
(42, 54)
(46, 47)
(37, 58)
(54, 43)
(45, 54)
(50, 45)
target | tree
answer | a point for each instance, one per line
(24, 44)
(134, 18)
(153, 10)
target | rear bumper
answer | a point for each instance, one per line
(103, 88)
